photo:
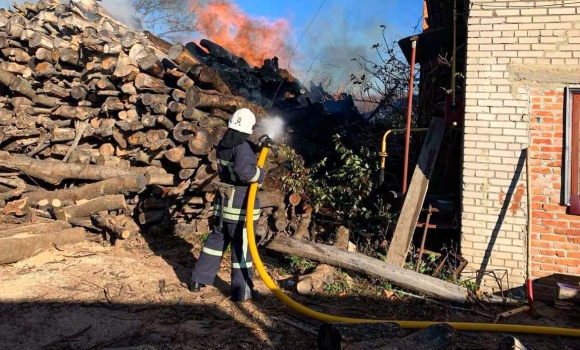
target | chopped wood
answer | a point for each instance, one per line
(175, 154)
(90, 191)
(54, 173)
(208, 99)
(93, 206)
(342, 238)
(111, 224)
(316, 281)
(201, 143)
(87, 100)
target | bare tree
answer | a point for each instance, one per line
(168, 19)
(384, 82)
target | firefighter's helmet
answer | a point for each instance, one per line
(243, 120)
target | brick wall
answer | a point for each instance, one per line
(512, 47)
(555, 234)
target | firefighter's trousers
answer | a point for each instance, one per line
(209, 260)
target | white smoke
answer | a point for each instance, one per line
(124, 12)
(273, 127)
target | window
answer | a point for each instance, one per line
(570, 183)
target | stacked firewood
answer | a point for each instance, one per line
(108, 128)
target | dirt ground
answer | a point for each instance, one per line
(91, 296)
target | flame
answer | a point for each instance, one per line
(254, 39)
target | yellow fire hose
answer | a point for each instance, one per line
(461, 326)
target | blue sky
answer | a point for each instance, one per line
(342, 30)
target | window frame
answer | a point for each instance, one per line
(571, 150)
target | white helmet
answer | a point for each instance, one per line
(243, 120)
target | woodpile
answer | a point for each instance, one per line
(115, 130)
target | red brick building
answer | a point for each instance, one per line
(521, 90)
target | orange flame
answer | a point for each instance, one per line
(254, 39)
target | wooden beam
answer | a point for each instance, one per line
(415, 196)
(371, 267)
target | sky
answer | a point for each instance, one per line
(342, 30)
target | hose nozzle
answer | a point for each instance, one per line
(266, 141)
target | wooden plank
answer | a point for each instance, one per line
(371, 267)
(415, 196)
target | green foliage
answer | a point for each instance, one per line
(344, 182)
(300, 265)
(470, 285)
(336, 288)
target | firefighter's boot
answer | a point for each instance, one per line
(195, 287)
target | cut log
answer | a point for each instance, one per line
(192, 113)
(210, 77)
(151, 64)
(315, 282)
(201, 144)
(55, 172)
(175, 155)
(369, 266)
(184, 60)
(303, 231)
(159, 179)
(331, 335)
(208, 99)
(93, 206)
(189, 163)
(111, 224)
(342, 238)
(95, 190)
(126, 68)
(145, 82)
(183, 131)
(273, 199)
(57, 210)
(27, 241)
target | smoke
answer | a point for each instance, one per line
(253, 38)
(334, 40)
(124, 12)
(272, 126)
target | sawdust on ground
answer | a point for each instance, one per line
(89, 296)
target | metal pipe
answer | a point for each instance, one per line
(409, 113)
(383, 153)
(529, 282)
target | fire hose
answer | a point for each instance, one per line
(266, 143)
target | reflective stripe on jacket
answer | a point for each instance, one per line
(237, 166)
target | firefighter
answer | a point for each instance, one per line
(236, 158)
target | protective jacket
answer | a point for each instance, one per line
(237, 170)
(237, 167)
